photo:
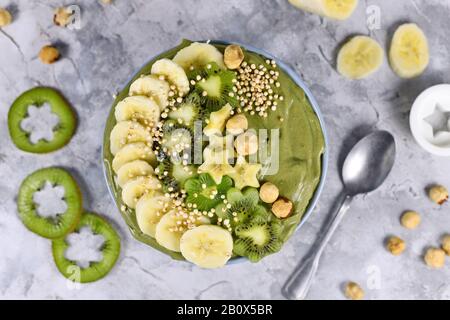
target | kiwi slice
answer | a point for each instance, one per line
(244, 206)
(257, 239)
(96, 270)
(62, 132)
(205, 193)
(61, 224)
(216, 88)
(189, 111)
(174, 175)
(177, 139)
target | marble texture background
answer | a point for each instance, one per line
(117, 39)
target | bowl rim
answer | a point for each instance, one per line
(314, 104)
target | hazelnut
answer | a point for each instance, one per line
(435, 258)
(49, 54)
(233, 56)
(62, 17)
(353, 291)
(107, 1)
(237, 124)
(269, 192)
(5, 17)
(396, 246)
(410, 219)
(282, 208)
(446, 244)
(438, 194)
(246, 143)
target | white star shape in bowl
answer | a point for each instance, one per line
(439, 120)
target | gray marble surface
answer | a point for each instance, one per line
(117, 39)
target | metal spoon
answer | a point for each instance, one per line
(365, 169)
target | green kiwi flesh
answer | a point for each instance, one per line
(189, 111)
(204, 192)
(257, 239)
(62, 224)
(96, 270)
(59, 106)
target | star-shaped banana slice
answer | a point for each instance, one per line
(244, 173)
(217, 121)
(216, 170)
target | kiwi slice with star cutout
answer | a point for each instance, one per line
(257, 239)
(216, 88)
(205, 193)
(110, 250)
(38, 97)
(60, 224)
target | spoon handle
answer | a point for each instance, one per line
(298, 284)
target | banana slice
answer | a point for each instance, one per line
(336, 9)
(207, 246)
(126, 132)
(167, 233)
(132, 170)
(173, 73)
(409, 54)
(153, 87)
(359, 57)
(134, 189)
(197, 56)
(217, 121)
(138, 108)
(149, 210)
(131, 152)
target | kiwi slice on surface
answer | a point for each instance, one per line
(96, 270)
(62, 132)
(257, 239)
(244, 207)
(216, 88)
(61, 224)
(205, 193)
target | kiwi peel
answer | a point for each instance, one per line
(39, 96)
(216, 88)
(63, 223)
(96, 270)
(257, 239)
(205, 193)
(244, 207)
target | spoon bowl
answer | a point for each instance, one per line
(369, 163)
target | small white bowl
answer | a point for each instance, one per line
(429, 113)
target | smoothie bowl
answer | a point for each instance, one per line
(215, 153)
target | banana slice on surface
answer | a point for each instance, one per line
(167, 233)
(138, 108)
(149, 210)
(409, 53)
(359, 57)
(131, 152)
(207, 246)
(153, 87)
(198, 55)
(173, 73)
(336, 9)
(134, 189)
(132, 170)
(126, 132)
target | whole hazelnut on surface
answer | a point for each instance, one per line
(233, 56)
(246, 143)
(5, 17)
(435, 258)
(438, 194)
(446, 244)
(410, 219)
(237, 124)
(353, 291)
(269, 192)
(49, 54)
(107, 1)
(62, 17)
(282, 208)
(396, 246)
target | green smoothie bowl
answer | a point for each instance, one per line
(215, 153)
